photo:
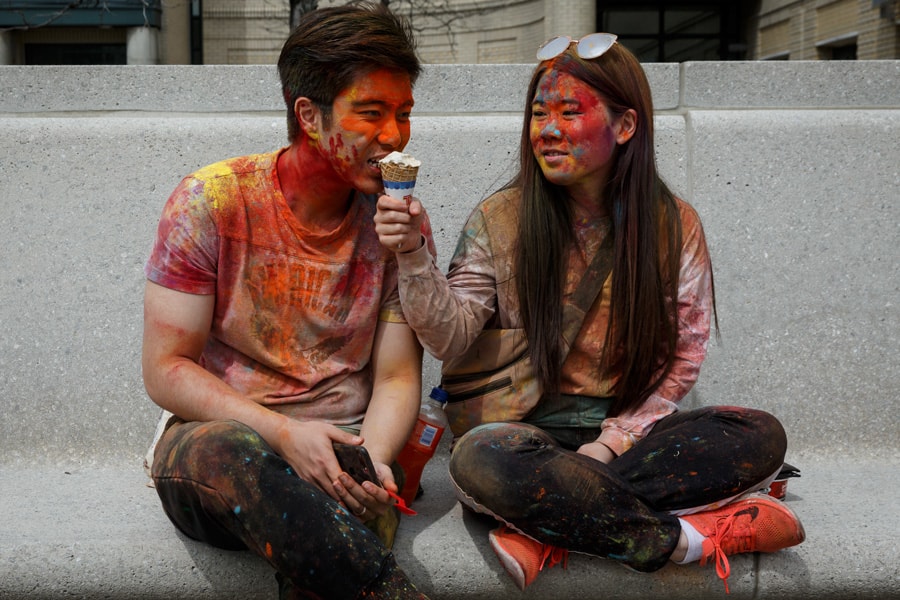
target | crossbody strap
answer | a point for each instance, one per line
(588, 288)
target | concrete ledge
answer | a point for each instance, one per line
(794, 169)
(798, 84)
(442, 89)
(111, 540)
(446, 88)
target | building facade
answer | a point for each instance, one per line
(827, 30)
(452, 31)
(35, 32)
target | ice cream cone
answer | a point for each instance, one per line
(398, 173)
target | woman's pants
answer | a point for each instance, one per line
(623, 510)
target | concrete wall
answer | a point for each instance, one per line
(793, 167)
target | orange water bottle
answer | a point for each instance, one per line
(423, 442)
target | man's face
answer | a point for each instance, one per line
(369, 120)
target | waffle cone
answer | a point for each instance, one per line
(395, 172)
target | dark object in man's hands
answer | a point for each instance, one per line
(356, 462)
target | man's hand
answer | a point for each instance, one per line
(399, 227)
(367, 501)
(308, 446)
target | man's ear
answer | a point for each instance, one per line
(309, 117)
(627, 126)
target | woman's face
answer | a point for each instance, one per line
(573, 135)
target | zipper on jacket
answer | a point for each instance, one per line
(479, 391)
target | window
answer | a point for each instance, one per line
(838, 48)
(196, 32)
(75, 54)
(68, 13)
(847, 52)
(659, 31)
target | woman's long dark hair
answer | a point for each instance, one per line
(643, 320)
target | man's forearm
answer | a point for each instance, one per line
(390, 418)
(187, 390)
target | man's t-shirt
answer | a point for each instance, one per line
(295, 311)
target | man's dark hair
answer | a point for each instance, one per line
(331, 47)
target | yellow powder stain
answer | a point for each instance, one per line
(351, 93)
(219, 169)
(210, 174)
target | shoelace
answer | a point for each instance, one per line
(723, 567)
(552, 556)
(740, 541)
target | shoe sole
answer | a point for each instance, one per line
(512, 566)
(470, 503)
(753, 490)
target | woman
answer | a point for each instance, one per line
(605, 464)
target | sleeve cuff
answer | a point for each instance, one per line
(417, 262)
(617, 440)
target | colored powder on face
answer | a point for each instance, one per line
(385, 92)
(571, 118)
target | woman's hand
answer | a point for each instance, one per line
(399, 227)
(597, 451)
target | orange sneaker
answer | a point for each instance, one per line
(756, 523)
(522, 557)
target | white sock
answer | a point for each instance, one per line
(695, 543)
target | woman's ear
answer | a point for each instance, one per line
(627, 126)
(309, 117)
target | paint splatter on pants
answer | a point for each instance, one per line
(622, 510)
(222, 484)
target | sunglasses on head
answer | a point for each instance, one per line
(593, 45)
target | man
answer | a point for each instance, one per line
(273, 327)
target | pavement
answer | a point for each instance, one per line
(101, 533)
